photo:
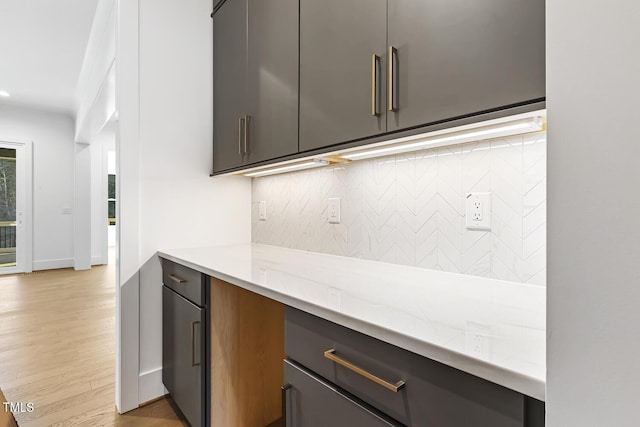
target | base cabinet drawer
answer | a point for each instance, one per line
(187, 282)
(428, 393)
(310, 401)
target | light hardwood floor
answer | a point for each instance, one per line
(57, 341)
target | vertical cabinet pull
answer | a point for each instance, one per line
(285, 388)
(375, 63)
(246, 131)
(240, 126)
(193, 344)
(393, 56)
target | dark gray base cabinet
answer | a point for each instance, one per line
(433, 394)
(313, 402)
(181, 355)
(185, 355)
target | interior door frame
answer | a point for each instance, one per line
(24, 205)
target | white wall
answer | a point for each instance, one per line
(166, 196)
(82, 207)
(127, 149)
(53, 166)
(593, 88)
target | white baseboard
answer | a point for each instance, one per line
(51, 264)
(99, 260)
(150, 385)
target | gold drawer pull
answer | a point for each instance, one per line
(176, 279)
(331, 355)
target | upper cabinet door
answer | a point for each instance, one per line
(455, 58)
(272, 114)
(229, 84)
(342, 57)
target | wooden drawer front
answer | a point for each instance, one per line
(433, 395)
(183, 280)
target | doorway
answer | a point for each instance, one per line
(15, 207)
(7, 207)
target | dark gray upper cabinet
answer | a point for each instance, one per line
(338, 41)
(456, 58)
(255, 81)
(294, 76)
(229, 83)
(272, 108)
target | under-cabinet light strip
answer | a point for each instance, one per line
(516, 125)
(420, 142)
(289, 168)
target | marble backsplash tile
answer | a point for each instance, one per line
(410, 209)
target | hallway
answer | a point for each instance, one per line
(57, 342)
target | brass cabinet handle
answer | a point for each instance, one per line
(394, 387)
(375, 61)
(240, 126)
(246, 131)
(193, 344)
(177, 279)
(393, 54)
(285, 388)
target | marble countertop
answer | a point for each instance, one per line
(490, 328)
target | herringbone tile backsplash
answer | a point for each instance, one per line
(409, 209)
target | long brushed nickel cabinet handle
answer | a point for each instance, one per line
(240, 126)
(246, 131)
(177, 279)
(393, 55)
(394, 387)
(375, 62)
(193, 344)
(285, 388)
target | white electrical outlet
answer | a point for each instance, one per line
(334, 211)
(262, 210)
(478, 211)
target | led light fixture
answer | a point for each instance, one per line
(420, 142)
(4, 94)
(287, 168)
(491, 129)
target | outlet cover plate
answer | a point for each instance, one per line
(334, 210)
(262, 210)
(478, 211)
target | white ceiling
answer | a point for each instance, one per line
(42, 44)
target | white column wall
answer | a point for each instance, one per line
(127, 194)
(164, 149)
(180, 206)
(593, 88)
(82, 207)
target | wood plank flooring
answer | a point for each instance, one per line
(57, 341)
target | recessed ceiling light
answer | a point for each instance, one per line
(4, 93)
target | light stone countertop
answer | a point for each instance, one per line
(490, 328)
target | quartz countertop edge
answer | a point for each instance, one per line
(252, 267)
